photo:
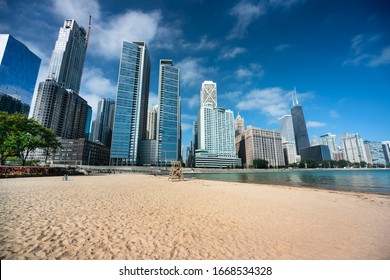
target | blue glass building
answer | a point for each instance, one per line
(104, 121)
(168, 115)
(18, 74)
(131, 105)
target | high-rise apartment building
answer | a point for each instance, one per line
(18, 74)
(263, 144)
(353, 147)
(58, 105)
(62, 110)
(151, 127)
(240, 138)
(131, 106)
(104, 121)
(375, 153)
(329, 140)
(67, 60)
(299, 124)
(168, 115)
(216, 146)
(386, 151)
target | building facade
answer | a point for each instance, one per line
(353, 147)
(299, 124)
(64, 111)
(316, 153)
(58, 105)
(329, 140)
(287, 128)
(67, 60)
(131, 106)
(168, 114)
(386, 151)
(81, 152)
(104, 121)
(239, 127)
(151, 127)
(216, 136)
(375, 153)
(18, 75)
(263, 144)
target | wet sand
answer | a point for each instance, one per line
(134, 216)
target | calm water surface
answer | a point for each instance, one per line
(374, 181)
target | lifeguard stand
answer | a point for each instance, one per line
(176, 172)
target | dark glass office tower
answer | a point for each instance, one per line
(104, 121)
(18, 74)
(299, 124)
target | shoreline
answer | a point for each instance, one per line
(135, 216)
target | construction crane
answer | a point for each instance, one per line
(89, 31)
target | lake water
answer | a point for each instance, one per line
(373, 181)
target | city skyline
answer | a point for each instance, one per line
(337, 55)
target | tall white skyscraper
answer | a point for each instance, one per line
(216, 131)
(58, 104)
(353, 147)
(67, 61)
(208, 94)
(330, 141)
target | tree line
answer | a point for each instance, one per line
(19, 136)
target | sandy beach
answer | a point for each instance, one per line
(134, 216)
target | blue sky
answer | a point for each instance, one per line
(336, 54)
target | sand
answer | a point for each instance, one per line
(134, 216)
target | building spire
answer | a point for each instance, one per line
(294, 97)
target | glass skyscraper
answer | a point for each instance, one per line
(299, 124)
(131, 106)
(18, 74)
(104, 121)
(168, 115)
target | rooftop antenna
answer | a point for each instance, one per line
(295, 97)
(89, 32)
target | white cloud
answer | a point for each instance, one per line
(363, 51)
(77, 9)
(381, 59)
(203, 44)
(272, 102)
(186, 126)
(334, 114)
(315, 124)
(254, 70)
(245, 13)
(153, 99)
(232, 96)
(95, 86)
(285, 4)
(282, 47)
(232, 53)
(192, 102)
(109, 36)
(193, 72)
(188, 117)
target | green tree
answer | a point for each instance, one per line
(260, 163)
(20, 136)
(50, 141)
